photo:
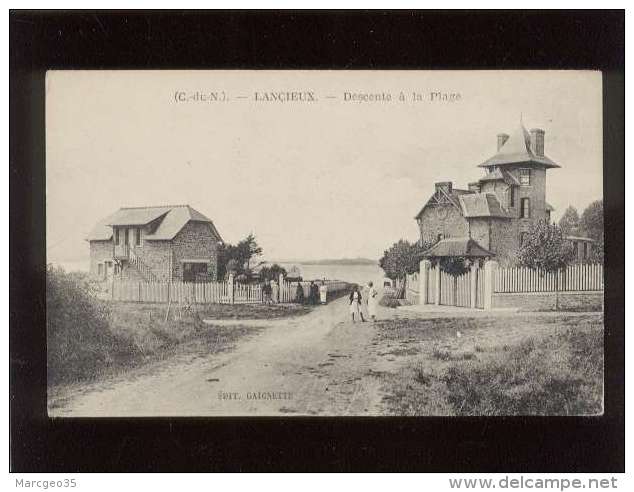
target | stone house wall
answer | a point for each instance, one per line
(156, 255)
(195, 241)
(448, 223)
(100, 252)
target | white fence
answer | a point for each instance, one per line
(211, 292)
(579, 277)
(179, 292)
(475, 287)
(288, 292)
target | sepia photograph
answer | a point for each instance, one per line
(301, 243)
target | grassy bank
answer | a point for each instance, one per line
(525, 365)
(88, 339)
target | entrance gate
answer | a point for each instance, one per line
(464, 290)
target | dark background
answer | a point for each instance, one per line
(286, 40)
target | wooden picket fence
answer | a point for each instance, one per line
(247, 293)
(178, 292)
(431, 286)
(578, 277)
(455, 290)
(209, 292)
(412, 287)
(288, 291)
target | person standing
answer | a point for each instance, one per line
(313, 292)
(323, 292)
(355, 303)
(299, 293)
(266, 292)
(275, 291)
(372, 301)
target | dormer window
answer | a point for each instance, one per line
(525, 177)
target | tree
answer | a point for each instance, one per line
(232, 266)
(272, 272)
(246, 249)
(545, 248)
(402, 258)
(236, 258)
(454, 265)
(591, 224)
(569, 221)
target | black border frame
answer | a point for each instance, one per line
(307, 40)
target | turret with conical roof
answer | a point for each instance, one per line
(516, 174)
(521, 147)
(498, 210)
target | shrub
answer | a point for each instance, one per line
(560, 375)
(79, 341)
(389, 301)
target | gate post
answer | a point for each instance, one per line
(437, 293)
(490, 271)
(423, 281)
(473, 293)
(232, 298)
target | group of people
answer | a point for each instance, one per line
(316, 293)
(367, 302)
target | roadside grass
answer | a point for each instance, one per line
(526, 365)
(129, 337)
(89, 339)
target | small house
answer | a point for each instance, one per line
(162, 243)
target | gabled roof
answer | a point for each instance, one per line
(101, 231)
(459, 246)
(501, 175)
(453, 197)
(137, 215)
(517, 149)
(172, 219)
(482, 205)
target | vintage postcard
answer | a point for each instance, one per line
(324, 243)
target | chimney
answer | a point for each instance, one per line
(444, 185)
(502, 138)
(537, 141)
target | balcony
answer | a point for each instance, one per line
(121, 251)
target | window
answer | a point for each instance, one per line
(523, 237)
(512, 196)
(585, 251)
(525, 177)
(137, 238)
(100, 269)
(526, 208)
(193, 272)
(127, 236)
(576, 247)
(117, 238)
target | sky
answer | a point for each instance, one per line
(329, 178)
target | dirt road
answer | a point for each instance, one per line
(317, 364)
